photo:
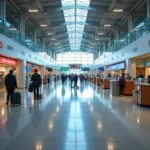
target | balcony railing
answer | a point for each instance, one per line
(11, 32)
(139, 31)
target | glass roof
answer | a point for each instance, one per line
(75, 18)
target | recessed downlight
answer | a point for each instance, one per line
(107, 25)
(43, 25)
(118, 10)
(50, 33)
(100, 33)
(33, 10)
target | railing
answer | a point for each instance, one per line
(11, 32)
(139, 31)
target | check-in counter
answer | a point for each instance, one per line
(143, 94)
(106, 84)
(94, 80)
(130, 86)
(98, 81)
(115, 87)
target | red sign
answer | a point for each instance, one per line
(1, 44)
(8, 61)
(75, 66)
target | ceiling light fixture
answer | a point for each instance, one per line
(136, 29)
(43, 25)
(118, 10)
(100, 33)
(50, 33)
(53, 39)
(33, 10)
(12, 29)
(107, 25)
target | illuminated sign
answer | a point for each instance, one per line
(75, 66)
(117, 67)
(1, 44)
(8, 61)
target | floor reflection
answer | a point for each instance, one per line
(68, 118)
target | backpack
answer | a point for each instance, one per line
(121, 81)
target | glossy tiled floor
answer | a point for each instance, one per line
(70, 119)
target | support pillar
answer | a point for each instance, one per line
(42, 44)
(130, 23)
(117, 35)
(42, 71)
(105, 71)
(131, 67)
(3, 9)
(22, 24)
(105, 46)
(21, 74)
(148, 8)
(34, 36)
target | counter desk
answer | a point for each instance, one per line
(98, 81)
(115, 87)
(94, 80)
(141, 94)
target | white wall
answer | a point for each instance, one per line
(137, 48)
(20, 52)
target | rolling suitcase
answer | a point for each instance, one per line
(16, 98)
(40, 93)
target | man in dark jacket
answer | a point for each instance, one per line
(63, 78)
(75, 80)
(36, 82)
(11, 84)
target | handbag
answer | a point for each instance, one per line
(30, 89)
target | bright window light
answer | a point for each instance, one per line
(75, 19)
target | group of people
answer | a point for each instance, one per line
(74, 79)
(11, 85)
(123, 78)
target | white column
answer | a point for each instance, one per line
(105, 71)
(22, 24)
(42, 71)
(21, 74)
(34, 36)
(130, 23)
(3, 9)
(117, 35)
(131, 67)
(148, 8)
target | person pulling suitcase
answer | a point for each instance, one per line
(11, 85)
(36, 83)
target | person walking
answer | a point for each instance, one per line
(71, 79)
(122, 82)
(36, 82)
(48, 78)
(81, 78)
(11, 84)
(75, 80)
(63, 78)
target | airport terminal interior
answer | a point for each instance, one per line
(74, 74)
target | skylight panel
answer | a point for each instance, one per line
(75, 19)
(83, 2)
(68, 2)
